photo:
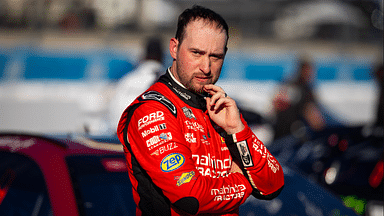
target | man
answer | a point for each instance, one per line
(188, 149)
(295, 104)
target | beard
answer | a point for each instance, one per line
(194, 89)
(189, 83)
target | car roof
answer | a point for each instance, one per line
(70, 144)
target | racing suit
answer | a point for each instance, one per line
(179, 160)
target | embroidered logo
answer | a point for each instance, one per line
(153, 95)
(188, 113)
(244, 153)
(185, 178)
(189, 137)
(162, 126)
(172, 162)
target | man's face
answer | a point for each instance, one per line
(200, 56)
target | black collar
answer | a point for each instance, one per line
(190, 98)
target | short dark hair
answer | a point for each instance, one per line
(198, 12)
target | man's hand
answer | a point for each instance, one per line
(235, 168)
(223, 110)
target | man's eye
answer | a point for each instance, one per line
(216, 57)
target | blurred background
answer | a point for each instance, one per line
(305, 73)
(60, 59)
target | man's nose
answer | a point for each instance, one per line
(205, 65)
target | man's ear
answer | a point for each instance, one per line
(173, 46)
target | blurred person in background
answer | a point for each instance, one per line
(137, 81)
(79, 15)
(379, 123)
(295, 105)
(13, 13)
(188, 149)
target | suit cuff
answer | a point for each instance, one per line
(242, 135)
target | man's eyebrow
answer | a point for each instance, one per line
(218, 54)
(196, 50)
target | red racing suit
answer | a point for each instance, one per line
(179, 161)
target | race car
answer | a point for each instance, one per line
(41, 175)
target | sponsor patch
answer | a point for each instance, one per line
(162, 149)
(182, 94)
(230, 192)
(204, 141)
(189, 137)
(149, 119)
(153, 95)
(185, 178)
(172, 162)
(224, 148)
(162, 126)
(150, 130)
(188, 113)
(194, 126)
(163, 136)
(158, 140)
(259, 147)
(244, 153)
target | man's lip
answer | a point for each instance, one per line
(202, 77)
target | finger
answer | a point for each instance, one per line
(212, 107)
(212, 89)
(217, 96)
(222, 103)
(219, 106)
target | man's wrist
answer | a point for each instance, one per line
(236, 130)
(240, 135)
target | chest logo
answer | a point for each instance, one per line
(188, 113)
(172, 162)
(189, 137)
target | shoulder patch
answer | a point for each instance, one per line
(172, 162)
(154, 95)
